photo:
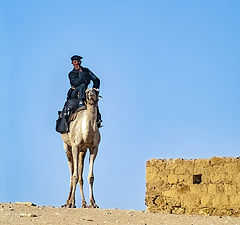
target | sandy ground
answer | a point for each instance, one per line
(26, 213)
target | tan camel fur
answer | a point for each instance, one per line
(83, 134)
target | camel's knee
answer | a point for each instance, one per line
(80, 181)
(69, 156)
(91, 179)
(74, 179)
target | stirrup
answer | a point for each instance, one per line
(81, 106)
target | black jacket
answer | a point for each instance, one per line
(85, 76)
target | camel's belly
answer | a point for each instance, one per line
(86, 140)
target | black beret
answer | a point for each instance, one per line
(76, 57)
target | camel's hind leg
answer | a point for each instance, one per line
(80, 172)
(93, 154)
(68, 150)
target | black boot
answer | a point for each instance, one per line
(99, 119)
(81, 105)
(99, 124)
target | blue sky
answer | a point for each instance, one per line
(169, 75)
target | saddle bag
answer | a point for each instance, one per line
(62, 123)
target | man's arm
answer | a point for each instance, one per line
(74, 79)
(96, 81)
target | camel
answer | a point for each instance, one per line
(83, 134)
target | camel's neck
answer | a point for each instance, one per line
(92, 112)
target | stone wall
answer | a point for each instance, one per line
(199, 186)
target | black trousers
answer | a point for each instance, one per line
(73, 93)
(79, 90)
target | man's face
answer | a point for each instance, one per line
(76, 64)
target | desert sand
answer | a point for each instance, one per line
(27, 213)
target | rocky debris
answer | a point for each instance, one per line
(26, 203)
(88, 220)
(28, 215)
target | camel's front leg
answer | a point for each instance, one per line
(75, 153)
(68, 150)
(93, 154)
(80, 172)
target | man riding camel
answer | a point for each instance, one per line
(80, 78)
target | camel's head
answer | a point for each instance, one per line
(92, 96)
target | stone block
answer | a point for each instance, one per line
(230, 189)
(170, 193)
(180, 178)
(212, 189)
(199, 170)
(171, 165)
(181, 170)
(238, 165)
(188, 179)
(231, 160)
(204, 211)
(152, 177)
(201, 163)
(199, 189)
(220, 189)
(155, 162)
(230, 168)
(226, 177)
(206, 200)
(183, 189)
(178, 210)
(190, 200)
(213, 177)
(205, 178)
(179, 161)
(235, 201)
(220, 201)
(172, 178)
(175, 202)
(237, 178)
(216, 160)
(149, 163)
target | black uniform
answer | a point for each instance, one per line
(79, 81)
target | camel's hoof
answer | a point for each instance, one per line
(72, 205)
(66, 205)
(69, 205)
(93, 205)
(84, 205)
